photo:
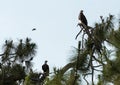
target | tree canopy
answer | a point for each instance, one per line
(98, 53)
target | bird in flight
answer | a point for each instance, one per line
(33, 29)
(82, 18)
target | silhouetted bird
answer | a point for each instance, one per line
(82, 18)
(33, 29)
(45, 67)
(6, 41)
(31, 59)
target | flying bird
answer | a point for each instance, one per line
(33, 29)
(82, 18)
(31, 59)
(45, 67)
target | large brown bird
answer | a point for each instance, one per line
(82, 18)
(45, 67)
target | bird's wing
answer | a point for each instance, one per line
(33, 29)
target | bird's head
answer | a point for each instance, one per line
(81, 11)
(46, 61)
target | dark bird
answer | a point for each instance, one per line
(33, 29)
(82, 18)
(45, 67)
(6, 41)
(31, 59)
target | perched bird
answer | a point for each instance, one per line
(83, 22)
(82, 18)
(33, 29)
(45, 67)
(6, 41)
(31, 59)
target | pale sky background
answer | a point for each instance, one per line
(55, 21)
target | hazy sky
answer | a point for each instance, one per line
(55, 21)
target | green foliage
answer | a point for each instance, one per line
(91, 49)
(29, 77)
(59, 79)
(12, 59)
(94, 49)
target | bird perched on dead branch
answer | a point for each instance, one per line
(83, 23)
(82, 18)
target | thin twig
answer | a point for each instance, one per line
(98, 60)
(86, 80)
